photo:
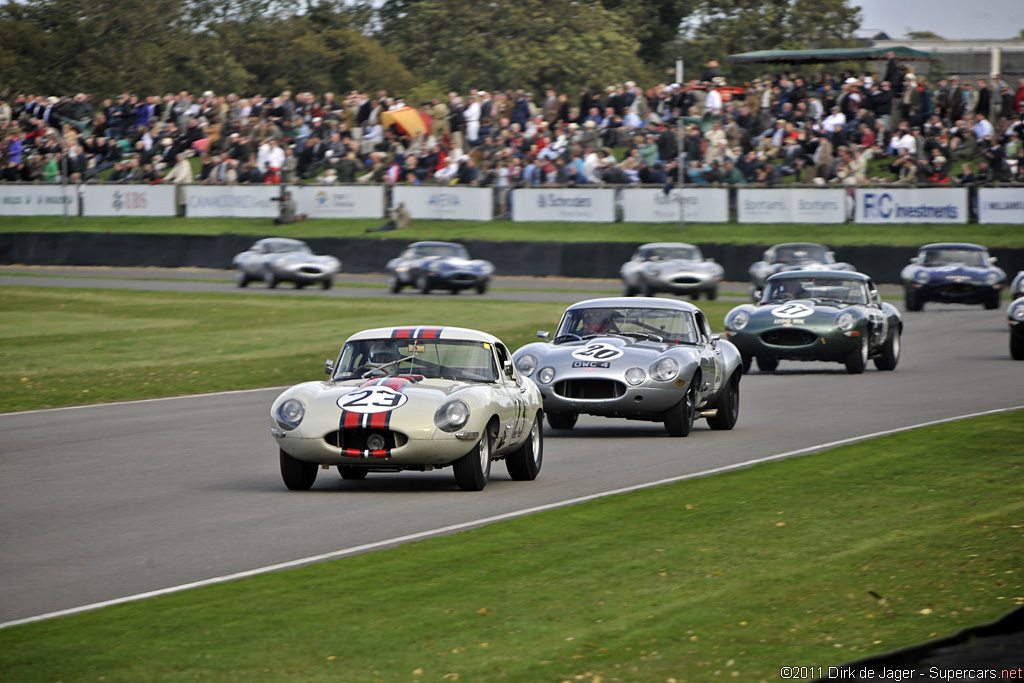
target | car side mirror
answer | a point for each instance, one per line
(329, 367)
(991, 259)
(509, 372)
(709, 260)
(544, 335)
(913, 259)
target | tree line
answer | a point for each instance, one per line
(105, 47)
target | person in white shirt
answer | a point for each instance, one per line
(471, 115)
(713, 101)
(982, 127)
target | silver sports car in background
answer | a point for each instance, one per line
(783, 258)
(412, 398)
(672, 267)
(635, 358)
(281, 259)
(438, 265)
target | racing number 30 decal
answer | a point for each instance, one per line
(597, 351)
(376, 399)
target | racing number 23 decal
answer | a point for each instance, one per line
(376, 399)
(597, 351)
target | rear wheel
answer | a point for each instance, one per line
(524, 464)
(474, 468)
(326, 284)
(727, 405)
(890, 352)
(767, 363)
(270, 279)
(352, 473)
(857, 359)
(562, 420)
(296, 474)
(394, 284)
(628, 289)
(992, 302)
(481, 288)
(423, 284)
(679, 419)
(241, 279)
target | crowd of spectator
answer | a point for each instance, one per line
(848, 128)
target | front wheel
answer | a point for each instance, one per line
(890, 352)
(727, 406)
(912, 299)
(679, 419)
(712, 294)
(856, 360)
(767, 363)
(296, 474)
(992, 302)
(241, 279)
(628, 289)
(562, 420)
(481, 287)
(524, 464)
(1017, 348)
(270, 279)
(474, 468)
(326, 284)
(394, 284)
(423, 284)
(351, 473)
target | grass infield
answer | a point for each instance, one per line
(812, 561)
(733, 233)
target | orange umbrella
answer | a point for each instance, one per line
(409, 120)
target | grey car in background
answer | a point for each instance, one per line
(784, 258)
(672, 267)
(281, 259)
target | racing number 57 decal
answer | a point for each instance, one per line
(374, 399)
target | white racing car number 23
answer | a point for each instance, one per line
(375, 399)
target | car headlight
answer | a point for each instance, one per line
(737, 320)
(452, 416)
(1017, 313)
(651, 270)
(845, 321)
(546, 375)
(290, 413)
(665, 369)
(992, 278)
(921, 277)
(434, 266)
(635, 376)
(526, 364)
(486, 269)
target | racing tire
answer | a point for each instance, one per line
(296, 474)
(423, 284)
(992, 303)
(524, 464)
(679, 419)
(394, 285)
(856, 360)
(727, 405)
(889, 355)
(1017, 348)
(270, 280)
(326, 284)
(241, 279)
(767, 363)
(454, 291)
(628, 290)
(747, 361)
(645, 289)
(300, 285)
(912, 300)
(562, 420)
(474, 468)
(481, 288)
(712, 294)
(351, 473)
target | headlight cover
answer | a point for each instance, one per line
(922, 277)
(435, 266)
(635, 376)
(526, 364)
(845, 321)
(991, 278)
(545, 375)
(651, 270)
(290, 413)
(1017, 313)
(452, 416)
(737, 320)
(665, 369)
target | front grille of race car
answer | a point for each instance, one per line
(462, 277)
(957, 289)
(686, 280)
(592, 389)
(355, 439)
(789, 336)
(310, 270)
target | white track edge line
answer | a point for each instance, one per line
(144, 400)
(355, 550)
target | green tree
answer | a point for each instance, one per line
(502, 44)
(655, 23)
(922, 35)
(724, 27)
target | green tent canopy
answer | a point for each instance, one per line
(840, 54)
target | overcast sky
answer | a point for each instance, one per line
(953, 19)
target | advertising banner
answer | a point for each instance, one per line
(649, 205)
(1001, 205)
(556, 204)
(340, 201)
(37, 200)
(911, 205)
(231, 201)
(128, 200)
(445, 202)
(797, 205)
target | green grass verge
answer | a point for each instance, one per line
(721, 578)
(735, 233)
(68, 347)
